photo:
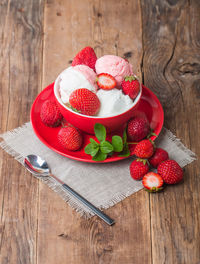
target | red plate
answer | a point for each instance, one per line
(149, 106)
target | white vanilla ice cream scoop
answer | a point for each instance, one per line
(113, 102)
(80, 76)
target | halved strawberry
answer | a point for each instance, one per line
(106, 81)
(153, 182)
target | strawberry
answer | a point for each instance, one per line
(138, 128)
(84, 101)
(170, 171)
(50, 114)
(144, 149)
(153, 182)
(158, 156)
(131, 86)
(70, 138)
(106, 81)
(138, 169)
(87, 57)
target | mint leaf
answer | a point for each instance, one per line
(117, 143)
(100, 132)
(93, 142)
(91, 149)
(125, 152)
(124, 136)
(100, 156)
(106, 147)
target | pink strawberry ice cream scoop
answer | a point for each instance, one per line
(89, 74)
(72, 78)
(115, 66)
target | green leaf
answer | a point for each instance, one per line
(100, 132)
(117, 143)
(93, 142)
(100, 156)
(91, 149)
(75, 110)
(125, 152)
(124, 136)
(106, 147)
(130, 78)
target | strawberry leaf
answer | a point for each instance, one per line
(117, 143)
(130, 78)
(106, 147)
(100, 156)
(100, 132)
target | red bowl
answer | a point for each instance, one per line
(86, 123)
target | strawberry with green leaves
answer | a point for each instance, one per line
(138, 169)
(144, 149)
(131, 86)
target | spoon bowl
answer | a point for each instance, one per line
(36, 165)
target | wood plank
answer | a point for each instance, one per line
(20, 81)
(63, 236)
(171, 68)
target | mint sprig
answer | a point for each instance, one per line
(100, 151)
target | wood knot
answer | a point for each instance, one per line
(189, 68)
(127, 54)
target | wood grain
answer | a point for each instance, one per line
(171, 68)
(70, 238)
(20, 81)
(162, 41)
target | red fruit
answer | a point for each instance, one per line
(138, 128)
(106, 81)
(144, 149)
(131, 86)
(87, 57)
(170, 171)
(152, 182)
(138, 169)
(50, 114)
(84, 101)
(158, 156)
(70, 138)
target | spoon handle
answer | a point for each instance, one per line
(98, 212)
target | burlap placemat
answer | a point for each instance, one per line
(102, 184)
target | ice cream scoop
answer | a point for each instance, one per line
(115, 66)
(113, 102)
(80, 76)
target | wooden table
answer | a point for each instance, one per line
(38, 39)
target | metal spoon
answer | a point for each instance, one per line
(38, 166)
